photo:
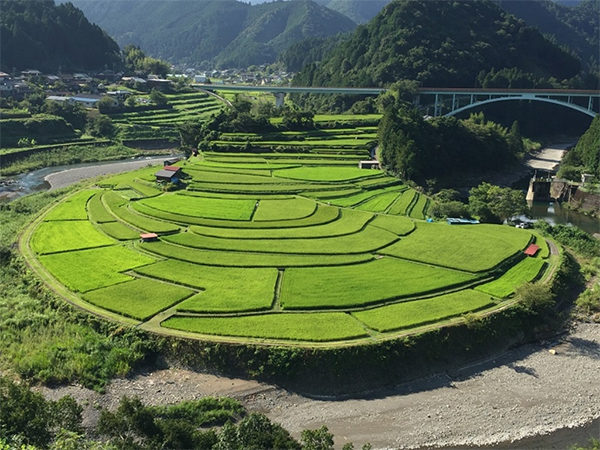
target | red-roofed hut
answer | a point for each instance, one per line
(531, 250)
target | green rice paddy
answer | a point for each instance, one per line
(294, 245)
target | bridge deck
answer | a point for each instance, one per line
(376, 90)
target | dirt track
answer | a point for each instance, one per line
(529, 391)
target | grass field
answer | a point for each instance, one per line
(212, 208)
(375, 281)
(421, 312)
(60, 236)
(97, 212)
(224, 288)
(84, 270)
(73, 208)
(139, 299)
(326, 173)
(118, 231)
(296, 208)
(527, 270)
(367, 240)
(287, 240)
(349, 222)
(247, 259)
(468, 247)
(301, 327)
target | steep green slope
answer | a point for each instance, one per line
(360, 11)
(42, 35)
(227, 32)
(439, 43)
(577, 27)
(587, 151)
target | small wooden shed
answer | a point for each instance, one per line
(148, 237)
(531, 250)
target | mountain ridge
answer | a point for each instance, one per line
(184, 31)
(452, 44)
(49, 37)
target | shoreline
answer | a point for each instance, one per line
(71, 176)
(519, 398)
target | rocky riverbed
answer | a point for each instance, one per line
(535, 392)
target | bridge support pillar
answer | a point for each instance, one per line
(279, 99)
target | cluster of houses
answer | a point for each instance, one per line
(235, 76)
(83, 88)
(88, 88)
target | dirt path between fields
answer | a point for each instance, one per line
(529, 391)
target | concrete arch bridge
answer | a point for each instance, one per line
(441, 101)
(451, 101)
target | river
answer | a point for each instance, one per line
(61, 176)
(555, 213)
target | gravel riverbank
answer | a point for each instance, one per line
(68, 177)
(527, 393)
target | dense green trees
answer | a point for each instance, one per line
(49, 37)
(446, 43)
(577, 27)
(296, 119)
(27, 417)
(43, 128)
(585, 157)
(136, 60)
(190, 31)
(72, 112)
(158, 98)
(101, 126)
(419, 149)
(495, 204)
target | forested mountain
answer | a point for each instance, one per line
(577, 27)
(585, 157)
(360, 11)
(225, 32)
(44, 36)
(441, 43)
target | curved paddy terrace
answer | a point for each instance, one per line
(275, 249)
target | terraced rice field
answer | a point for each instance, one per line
(181, 108)
(279, 247)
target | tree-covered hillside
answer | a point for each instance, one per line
(44, 36)
(577, 27)
(443, 147)
(441, 43)
(360, 11)
(585, 157)
(225, 32)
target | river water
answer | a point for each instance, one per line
(554, 213)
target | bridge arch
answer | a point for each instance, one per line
(515, 98)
